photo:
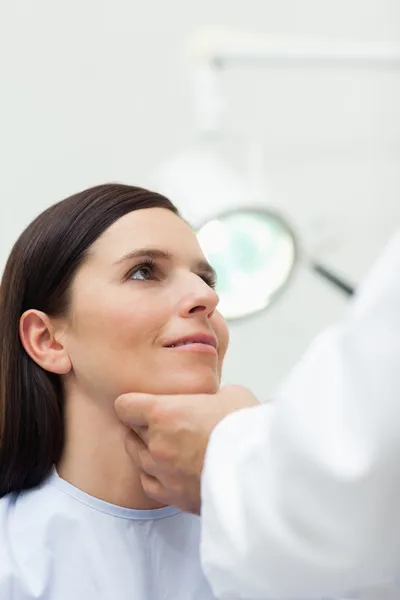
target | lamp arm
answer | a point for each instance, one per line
(333, 278)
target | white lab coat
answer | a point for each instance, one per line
(301, 497)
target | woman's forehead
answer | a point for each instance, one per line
(147, 228)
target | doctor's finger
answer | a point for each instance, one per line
(147, 464)
(139, 453)
(143, 433)
(153, 488)
(134, 445)
(135, 409)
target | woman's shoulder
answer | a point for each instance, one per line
(28, 519)
(6, 566)
(31, 508)
(15, 540)
(29, 524)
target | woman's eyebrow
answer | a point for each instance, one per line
(144, 253)
(155, 253)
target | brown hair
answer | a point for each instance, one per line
(38, 275)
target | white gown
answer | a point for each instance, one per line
(301, 497)
(58, 543)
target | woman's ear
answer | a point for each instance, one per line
(43, 342)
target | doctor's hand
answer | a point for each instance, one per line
(169, 439)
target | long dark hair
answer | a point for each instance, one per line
(38, 275)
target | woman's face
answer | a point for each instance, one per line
(143, 314)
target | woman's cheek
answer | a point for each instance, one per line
(222, 333)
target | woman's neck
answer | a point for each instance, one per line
(95, 459)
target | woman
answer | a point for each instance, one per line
(104, 293)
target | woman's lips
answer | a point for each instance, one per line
(197, 342)
(194, 347)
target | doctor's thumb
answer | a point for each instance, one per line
(135, 409)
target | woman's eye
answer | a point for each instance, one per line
(143, 273)
(209, 280)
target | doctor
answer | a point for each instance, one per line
(299, 497)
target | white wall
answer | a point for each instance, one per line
(95, 91)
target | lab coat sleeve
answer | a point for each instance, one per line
(301, 496)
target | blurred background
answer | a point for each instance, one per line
(109, 90)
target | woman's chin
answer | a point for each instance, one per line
(188, 385)
(184, 382)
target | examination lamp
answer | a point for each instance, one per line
(255, 252)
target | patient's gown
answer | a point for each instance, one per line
(58, 543)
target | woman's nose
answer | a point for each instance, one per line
(199, 298)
